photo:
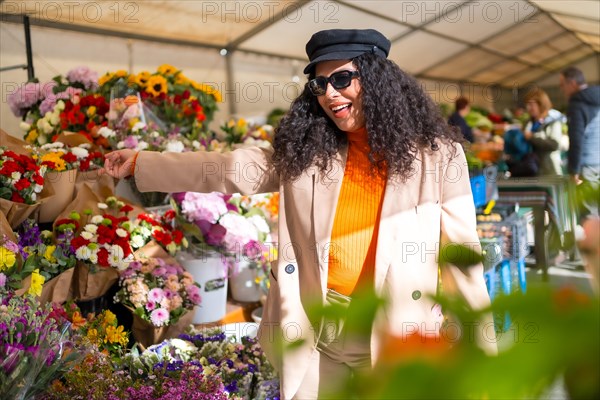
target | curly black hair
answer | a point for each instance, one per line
(399, 116)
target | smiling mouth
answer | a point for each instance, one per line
(341, 110)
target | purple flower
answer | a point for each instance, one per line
(207, 206)
(25, 97)
(87, 77)
(160, 271)
(130, 142)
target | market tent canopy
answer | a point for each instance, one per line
(505, 43)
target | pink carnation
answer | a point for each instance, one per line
(150, 305)
(240, 231)
(87, 77)
(2, 280)
(159, 317)
(203, 206)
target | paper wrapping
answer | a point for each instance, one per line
(57, 290)
(89, 285)
(6, 229)
(147, 334)
(63, 185)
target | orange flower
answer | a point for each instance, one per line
(77, 320)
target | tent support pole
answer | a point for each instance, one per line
(230, 90)
(30, 72)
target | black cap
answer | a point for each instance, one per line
(344, 44)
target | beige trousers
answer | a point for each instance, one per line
(338, 357)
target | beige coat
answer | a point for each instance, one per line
(434, 207)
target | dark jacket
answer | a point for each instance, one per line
(584, 129)
(457, 120)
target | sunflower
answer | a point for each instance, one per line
(156, 85)
(208, 90)
(142, 78)
(181, 79)
(105, 78)
(167, 69)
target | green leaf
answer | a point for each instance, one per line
(459, 255)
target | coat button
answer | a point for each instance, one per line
(290, 269)
(416, 295)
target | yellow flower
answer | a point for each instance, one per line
(91, 111)
(7, 258)
(241, 123)
(166, 69)
(142, 78)
(31, 136)
(133, 121)
(37, 281)
(156, 85)
(48, 254)
(56, 158)
(109, 318)
(116, 335)
(208, 90)
(92, 335)
(181, 79)
(105, 78)
(121, 73)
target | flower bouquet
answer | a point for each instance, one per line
(160, 294)
(65, 104)
(160, 228)
(34, 346)
(101, 242)
(235, 228)
(21, 180)
(242, 134)
(53, 259)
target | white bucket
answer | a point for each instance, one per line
(210, 271)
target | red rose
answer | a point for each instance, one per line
(103, 257)
(37, 178)
(70, 157)
(126, 208)
(9, 167)
(16, 197)
(22, 184)
(78, 242)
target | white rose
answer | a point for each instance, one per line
(102, 206)
(80, 152)
(138, 126)
(15, 176)
(121, 145)
(42, 139)
(91, 228)
(60, 105)
(260, 223)
(54, 118)
(38, 188)
(137, 241)
(106, 132)
(141, 146)
(174, 146)
(24, 126)
(33, 196)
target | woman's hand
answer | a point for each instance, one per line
(119, 164)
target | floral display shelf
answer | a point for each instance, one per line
(236, 312)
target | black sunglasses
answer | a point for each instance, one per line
(339, 80)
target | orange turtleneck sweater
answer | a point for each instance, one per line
(356, 222)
